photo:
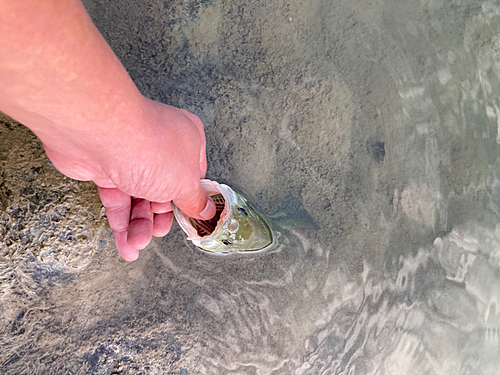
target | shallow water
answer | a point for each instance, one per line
(380, 117)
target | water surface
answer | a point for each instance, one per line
(381, 118)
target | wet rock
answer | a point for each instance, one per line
(43, 212)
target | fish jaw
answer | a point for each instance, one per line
(240, 227)
(212, 188)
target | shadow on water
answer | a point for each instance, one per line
(380, 119)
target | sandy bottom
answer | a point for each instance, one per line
(380, 117)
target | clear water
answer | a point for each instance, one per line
(382, 119)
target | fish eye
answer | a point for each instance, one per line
(242, 211)
(227, 242)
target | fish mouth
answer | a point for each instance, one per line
(206, 227)
(220, 234)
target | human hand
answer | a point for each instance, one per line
(158, 160)
(62, 80)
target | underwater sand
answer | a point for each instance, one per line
(380, 117)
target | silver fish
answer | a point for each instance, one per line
(236, 227)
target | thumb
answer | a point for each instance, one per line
(198, 205)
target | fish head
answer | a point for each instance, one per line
(236, 227)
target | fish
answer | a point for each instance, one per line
(237, 225)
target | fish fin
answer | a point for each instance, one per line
(293, 215)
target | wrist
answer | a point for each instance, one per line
(86, 146)
(91, 125)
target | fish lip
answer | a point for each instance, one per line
(230, 198)
(212, 188)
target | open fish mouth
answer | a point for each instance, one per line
(236, 226)
(207, 227)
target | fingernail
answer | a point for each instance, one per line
(209, 210)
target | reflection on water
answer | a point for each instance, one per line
(437, 315)
(380, 117)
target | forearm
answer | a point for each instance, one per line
(59, 77)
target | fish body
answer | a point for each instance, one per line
(236, 227)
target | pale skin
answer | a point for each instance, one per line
(59, 77)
